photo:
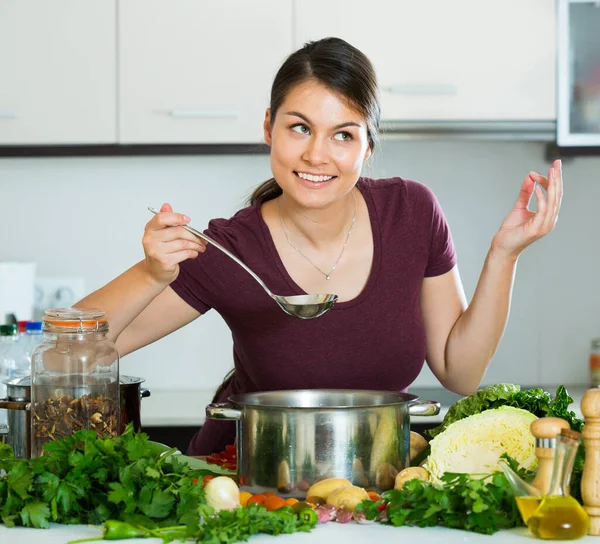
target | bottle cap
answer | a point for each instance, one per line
(8, 330)
(21, 325)
(34, 326)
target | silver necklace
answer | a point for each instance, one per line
(326, 274)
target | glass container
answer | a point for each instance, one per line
(75, 378)
(559, 516)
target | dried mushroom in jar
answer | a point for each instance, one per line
(62, 416)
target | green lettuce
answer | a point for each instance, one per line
(535, 400)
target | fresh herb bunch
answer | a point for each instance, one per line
(85, 479)
(130, 485)
(209, 528)
(482, 505)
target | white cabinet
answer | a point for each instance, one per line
(57, 72)
(447, 61)
(196, 71)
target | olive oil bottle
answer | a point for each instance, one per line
(528, 506)
(559, 516)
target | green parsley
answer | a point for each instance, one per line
(129, 486)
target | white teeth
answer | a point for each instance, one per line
(315, 179)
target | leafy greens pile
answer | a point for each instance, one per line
(466, 502)
(82, 479)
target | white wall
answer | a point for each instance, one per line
(85, 217)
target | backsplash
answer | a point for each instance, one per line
(85, 217)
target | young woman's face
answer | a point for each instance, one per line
(318, 145)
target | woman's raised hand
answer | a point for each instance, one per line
(166, 244)
(522, 226)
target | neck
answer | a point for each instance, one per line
(319, 227)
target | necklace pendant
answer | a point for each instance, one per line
(328, 277)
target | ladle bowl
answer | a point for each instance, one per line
(299, 306)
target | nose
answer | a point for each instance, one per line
(317, 151)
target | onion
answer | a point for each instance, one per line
(222, 493)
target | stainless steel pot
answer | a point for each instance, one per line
(17, 402)
(288, 440)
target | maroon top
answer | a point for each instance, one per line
(375, 341)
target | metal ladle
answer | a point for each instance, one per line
(300, 306)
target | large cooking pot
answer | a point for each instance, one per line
(288, 440)
(18, 398)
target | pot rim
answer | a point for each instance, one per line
(25, 381)
(388, 398)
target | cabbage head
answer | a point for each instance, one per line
(474, 444)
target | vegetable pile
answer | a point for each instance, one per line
(457, 495)
(133, 488)
(483, 505)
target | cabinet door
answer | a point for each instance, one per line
(196, 71)
(441, 60)
(57, 72)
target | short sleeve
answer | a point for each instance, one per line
(442, 254)
(187, 286)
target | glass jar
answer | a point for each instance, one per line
(595, 363)
(75, 378)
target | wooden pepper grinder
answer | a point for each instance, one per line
(590, 479)
(545, 430)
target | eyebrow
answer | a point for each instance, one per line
(337, 127)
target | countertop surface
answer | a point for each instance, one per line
(351, 533)
(186, 407)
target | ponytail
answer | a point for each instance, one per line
(265, 191)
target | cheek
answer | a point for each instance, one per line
(284, 149)
(349, 158)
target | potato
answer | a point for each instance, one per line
(325, 487)
(417, 444)
(385, 476)
(411, 473)
(347, 497)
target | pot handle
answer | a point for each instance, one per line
(424, 408)
(145, 393)
(223, 410)
(14, 404)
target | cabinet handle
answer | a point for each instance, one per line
(7, 115)
(421, 89)
(203, 114)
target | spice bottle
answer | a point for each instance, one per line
(74, 378)
(595, 363)
(560, 516)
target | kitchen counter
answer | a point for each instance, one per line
(330, 532)
(186, 407)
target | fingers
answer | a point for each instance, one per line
(164, 238)
(526, 191)
(549, 203)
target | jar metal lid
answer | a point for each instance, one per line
(74, 320)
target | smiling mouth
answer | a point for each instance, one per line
(315, 179)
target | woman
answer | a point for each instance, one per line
(383, 246)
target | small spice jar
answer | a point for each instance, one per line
(595, 363)
(74, 378)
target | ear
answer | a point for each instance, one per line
(267, 127)
(367, 152)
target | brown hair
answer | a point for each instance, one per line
(341, 68)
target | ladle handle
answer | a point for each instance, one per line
(226, 251)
